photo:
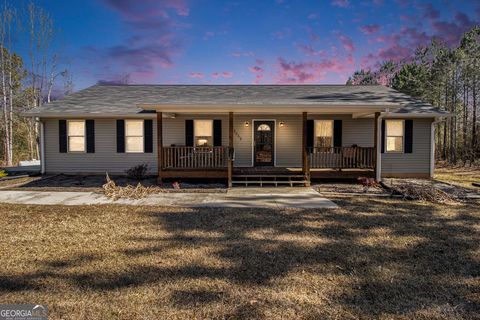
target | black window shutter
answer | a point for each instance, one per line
(310, 133)
(148, 136)
(120, 136)
(408, 136)
(382, 147)
(217, 133)
(337, 133)
(62, 136)
(189, 133)
(90, 127)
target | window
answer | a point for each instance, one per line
(203, 132)
(133, 136)
(76, 135)
(263, 127)
(324, 133)
(394, 132)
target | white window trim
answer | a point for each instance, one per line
(143, 136)
(386, 136)
(195, 137)
(84, 135)
(315, 131)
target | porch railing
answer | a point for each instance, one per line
(341, 157)
(196, 157)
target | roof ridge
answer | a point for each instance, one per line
(230, 85)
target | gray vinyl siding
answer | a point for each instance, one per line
(105, 158)
(354, 131)
(174, 128)
(416, 162)
(361, 133)
(288, 142)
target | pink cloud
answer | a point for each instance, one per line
(150, 46)
(225, 74)
(341, 3)
(310, 51)
(196, 75)
(258, 72)
(148, 8)
(347, 43)
(452, 31)
(255, 69)
(370, 28)
(311, 71)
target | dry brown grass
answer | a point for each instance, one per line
(16, 182)
(372, 258)
(463, 176)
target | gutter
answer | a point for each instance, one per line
(92, 115)
(378, 167)
(432, 145)
(416, 115)
(42, 147)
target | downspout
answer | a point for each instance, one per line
(378, 167)
(42, 147)
(432, 146)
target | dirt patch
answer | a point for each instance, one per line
(347, 187)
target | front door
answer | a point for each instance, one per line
(264, 144)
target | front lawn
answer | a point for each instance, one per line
(372, 258)
(461, 176)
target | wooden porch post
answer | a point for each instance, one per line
(230, 151)
(305, 166)
(375, 143)
(160, 145)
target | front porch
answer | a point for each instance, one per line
(294, 159)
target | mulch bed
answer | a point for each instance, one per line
(94, 183)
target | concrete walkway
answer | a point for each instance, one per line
(235, 198)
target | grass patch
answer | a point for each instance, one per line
(371, 258)
(16, 181)
(462, 176)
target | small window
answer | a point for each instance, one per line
(76, 135)
(264, 127)
(323, 133)
(133, 136)
(395, 133)
(203, 131)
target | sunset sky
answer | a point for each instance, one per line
(258, 41)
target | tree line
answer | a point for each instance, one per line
(29, 81)
(448, 78)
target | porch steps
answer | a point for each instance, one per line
(269, 180)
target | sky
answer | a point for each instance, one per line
(247, 41)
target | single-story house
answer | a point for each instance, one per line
(239, 132)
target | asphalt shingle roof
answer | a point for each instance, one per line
(125, 99)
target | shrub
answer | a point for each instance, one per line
(3, 173)
(138, 172)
